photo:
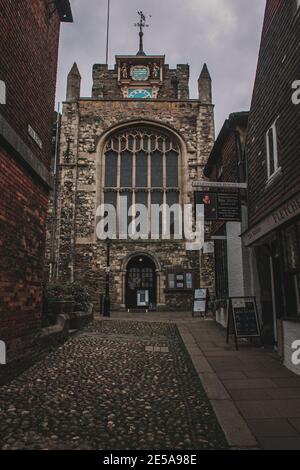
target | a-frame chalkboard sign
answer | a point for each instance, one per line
(200, 302)
(243, 321)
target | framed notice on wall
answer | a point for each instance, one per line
(200, 302)
(142, 298)
(243, 321)
(220, 206)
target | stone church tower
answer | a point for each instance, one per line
(140, 136)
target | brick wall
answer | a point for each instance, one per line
(28, 66)
(22, 223)
(278, 68)
(28, 49)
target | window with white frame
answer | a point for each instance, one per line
(2, 92)
(272, 150)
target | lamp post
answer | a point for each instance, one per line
(106, 306)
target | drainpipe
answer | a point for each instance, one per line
(54, 210)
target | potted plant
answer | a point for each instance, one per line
(59, 301)
(79, 295)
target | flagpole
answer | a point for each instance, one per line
(107, 35)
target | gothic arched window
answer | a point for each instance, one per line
(144, 165)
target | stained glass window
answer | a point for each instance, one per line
(126, 170)
(141, 170)
(141, 198)
(125, 221)
(172, 169)
(111, 164)
(110, 198)
(157, 170)
(130, 156)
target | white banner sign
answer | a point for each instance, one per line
(218, 184)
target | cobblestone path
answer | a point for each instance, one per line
(117, 385)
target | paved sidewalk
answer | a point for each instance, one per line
(256, 399)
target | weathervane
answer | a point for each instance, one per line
(141, 24)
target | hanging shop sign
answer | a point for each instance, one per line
(220, 206)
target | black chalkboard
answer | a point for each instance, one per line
(243, 319)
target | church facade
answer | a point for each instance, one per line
(139, 135)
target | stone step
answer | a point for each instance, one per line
(73, 332)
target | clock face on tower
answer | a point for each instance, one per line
(140, 94)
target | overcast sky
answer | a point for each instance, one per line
(223, 33)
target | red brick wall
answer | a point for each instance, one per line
(278, 68)
(22, 233)
(28, 65)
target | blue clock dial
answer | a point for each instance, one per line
(140, 94)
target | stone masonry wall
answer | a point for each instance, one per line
(175, 84)
(79, 255)
(90, 261)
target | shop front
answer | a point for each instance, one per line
(275, 243)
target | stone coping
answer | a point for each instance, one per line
(10, 136)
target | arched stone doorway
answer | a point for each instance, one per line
(141, 283)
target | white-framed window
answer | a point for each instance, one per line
(272, 150)
(2, 92)
(219, 172)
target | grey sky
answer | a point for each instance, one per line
(223, 33)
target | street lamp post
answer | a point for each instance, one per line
(106, 306)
